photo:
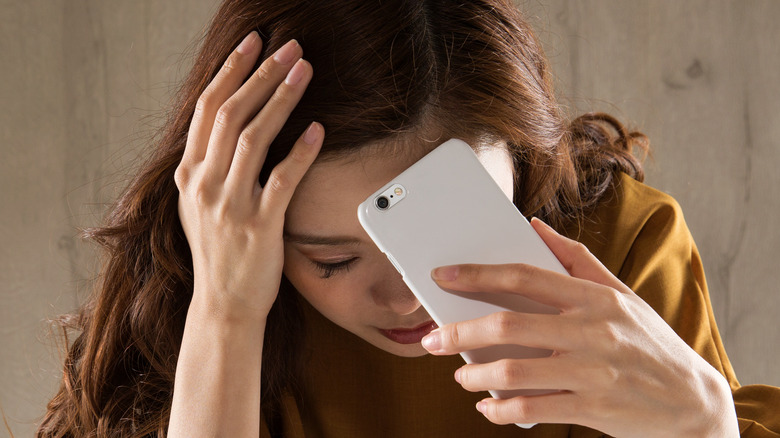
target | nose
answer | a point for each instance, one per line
(390, 291)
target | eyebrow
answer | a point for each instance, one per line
(310, 239)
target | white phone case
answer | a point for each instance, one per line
(449, 210)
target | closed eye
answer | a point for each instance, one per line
(329, 269)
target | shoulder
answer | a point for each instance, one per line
(640, 235)
(633, 217)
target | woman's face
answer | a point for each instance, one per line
(333, 263)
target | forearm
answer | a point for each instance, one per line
(217, 384)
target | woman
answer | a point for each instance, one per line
(240, 296)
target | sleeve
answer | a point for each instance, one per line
(286, 422)
(663, 267)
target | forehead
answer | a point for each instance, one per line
(326, 200)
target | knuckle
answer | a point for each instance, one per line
(246, 142)
(505, 325)
(263, 72)
(220, 121)
(298, 156)
(610, 300)
(281, 97)
(465, 377)
(242, 148)
(508, 374)
(581, 249)
(608, 334)
(181, 177)
(224, 209)
(610, 375)
(204, 102)
(202, 194)
(225, 114)
(231, 63)
(278, 181)
(451, 338)
(523, 410)
(491, 412)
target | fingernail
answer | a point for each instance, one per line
(295, 74)
(312, 133)
(432, 341)
(445, 273)
(457, 375)
(544, 224)
(481, 407)
(248, 43)
(286, 54)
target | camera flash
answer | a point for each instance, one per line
(399, 191)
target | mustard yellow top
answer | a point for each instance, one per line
(353, 389)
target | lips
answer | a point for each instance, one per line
(409, 336)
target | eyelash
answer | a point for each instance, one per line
(328, 269)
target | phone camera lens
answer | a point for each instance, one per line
(382, 202)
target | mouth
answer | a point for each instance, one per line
(411, 335)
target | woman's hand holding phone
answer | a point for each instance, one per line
(234, 230)
(621, 369)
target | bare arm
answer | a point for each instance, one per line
(217, 387)
(234, 230)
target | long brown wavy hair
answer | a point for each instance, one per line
(383, 70)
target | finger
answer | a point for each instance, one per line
(557, 373)
(288, 173)
(502, 328)
(255, 139)
(540, 285)
(235, 129)
(560, 407)
(229, 78)
(576, 258)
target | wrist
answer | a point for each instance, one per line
(209, 308)
(718, 416)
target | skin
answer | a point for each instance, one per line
(621, 369)
(368, 293)
(234, 230)
(626, 361)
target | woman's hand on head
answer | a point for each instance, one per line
(233, 225)
(619, 367)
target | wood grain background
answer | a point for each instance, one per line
(84, 82)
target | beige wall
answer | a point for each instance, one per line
(702, 79)
(82, 79)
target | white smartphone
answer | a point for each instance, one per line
(446, 209)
